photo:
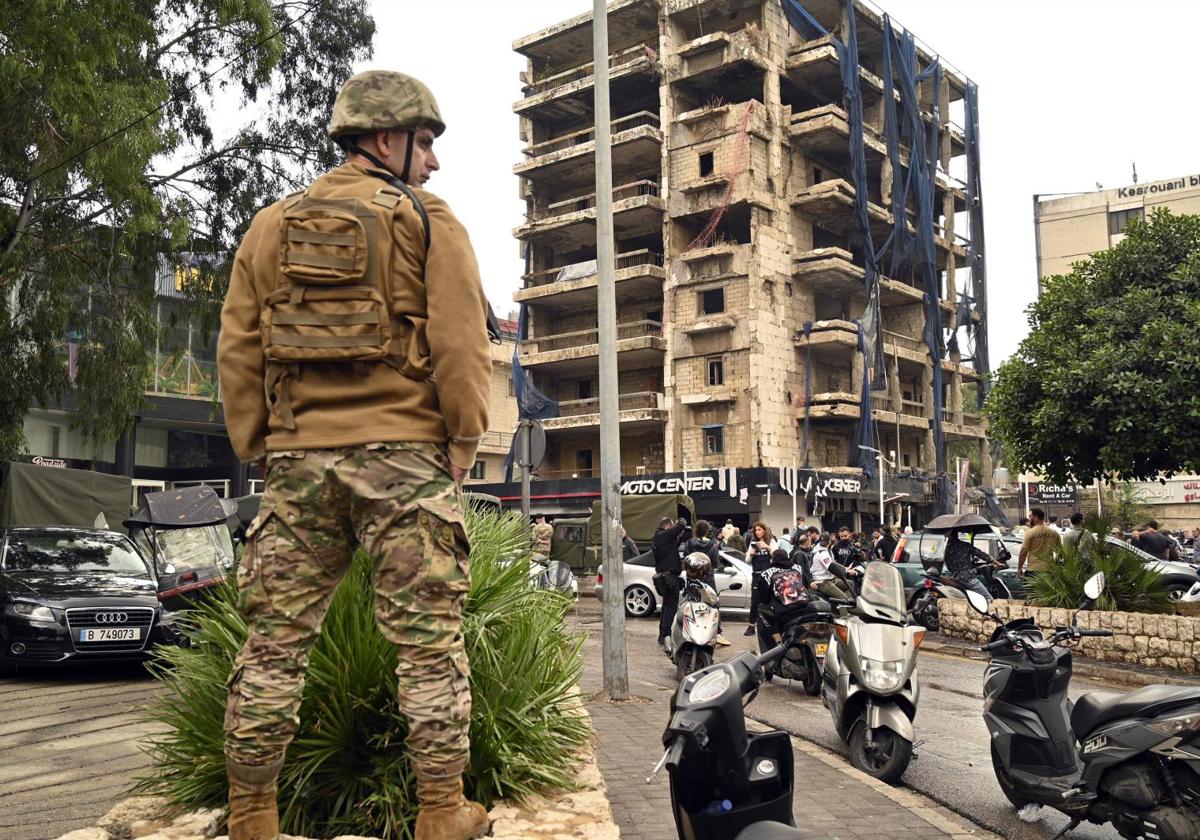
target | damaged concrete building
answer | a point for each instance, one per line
(742, 267)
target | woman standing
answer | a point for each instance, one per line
(758, 555)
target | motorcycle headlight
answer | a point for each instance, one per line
(711, 686)
(882, 676)
(31, 612)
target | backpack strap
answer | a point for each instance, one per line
(396, 183)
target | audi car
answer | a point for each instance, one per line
(77, 595)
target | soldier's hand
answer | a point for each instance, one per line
(457, 473)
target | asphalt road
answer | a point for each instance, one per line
(953, 765)
(70, 745)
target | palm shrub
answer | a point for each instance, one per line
(347, 771)
(1130, 586)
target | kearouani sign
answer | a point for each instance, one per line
(1158, 187)
(1172, 491)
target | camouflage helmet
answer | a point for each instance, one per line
(376, 100)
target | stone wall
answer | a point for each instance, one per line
(1152, 641)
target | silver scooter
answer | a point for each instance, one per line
(694, 631)
(870, 683)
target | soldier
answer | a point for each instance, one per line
(345, 301)
(543, 532)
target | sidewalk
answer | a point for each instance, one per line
(852, 806)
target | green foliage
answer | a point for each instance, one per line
(347, 770)
(1106, 382)
(1130, 585)
(112, 168)
(1125, 503)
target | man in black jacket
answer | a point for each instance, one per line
(667, 567)
(886, 547)
(629, 549)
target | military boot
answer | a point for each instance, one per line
(253, 813)
(445, 814)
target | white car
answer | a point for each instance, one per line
(733, 576)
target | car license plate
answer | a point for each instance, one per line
(821, 649)
(110, 634)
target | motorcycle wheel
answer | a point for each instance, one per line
(887, 761)
(812, 681)
(690, 662)
(926, 614)
(1005, 785)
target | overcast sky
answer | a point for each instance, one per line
(1072, 93)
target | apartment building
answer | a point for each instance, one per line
(1070, 228)
(740, 257)
(502, 417)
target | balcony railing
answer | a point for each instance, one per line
(907, 342)
(625, 402)
(972, 418)
(582, 338)
(915, 408)
(629, 259)
(496, 439)
(584, 70)
(587, 135)
(586, 202)
(881, 404)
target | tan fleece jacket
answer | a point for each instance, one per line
(335, 404)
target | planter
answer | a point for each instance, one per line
(1149, 640)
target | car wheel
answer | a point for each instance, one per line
(639, 601)
(1176, 591)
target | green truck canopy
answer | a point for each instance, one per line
(641, 514)
(32, 495)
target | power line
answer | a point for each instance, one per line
(202, 80)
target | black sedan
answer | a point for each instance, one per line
(78, 595)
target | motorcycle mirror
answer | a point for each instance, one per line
(977, 601)
(1094, 587)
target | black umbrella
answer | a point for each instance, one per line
(969, 523)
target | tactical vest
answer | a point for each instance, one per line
(333, 297)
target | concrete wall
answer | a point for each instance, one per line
(1153, 641)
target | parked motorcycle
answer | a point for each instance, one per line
(694, 631)
(726, 783)
(870, 680)
(1129, 759)
(555, 575)
(937, 586)
(804, 620)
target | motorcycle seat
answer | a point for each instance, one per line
(1099, 707)
(776, 831)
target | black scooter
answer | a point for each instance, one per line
(1132, 759)
(726, 783)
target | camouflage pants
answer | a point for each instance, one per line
(398, 501)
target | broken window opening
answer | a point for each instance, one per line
(706, 164)
(714, 440)
(583, 389)
(716, 372)
(478, 470)
(712, 301)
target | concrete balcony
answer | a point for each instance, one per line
(720, 61)
(814, 66)
(561, 47)
(830, 205)
(571, 223)
(826, 131)
(643, 409)
(836, 337)
(842, 407)
(639, 275)
(639, 344)
(568, 162)
(833, 271)
(568, 97)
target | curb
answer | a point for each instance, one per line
(915, 803)
(1081, 667)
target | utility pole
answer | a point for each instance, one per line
(523, 461)
(616, 662)
(879, 461)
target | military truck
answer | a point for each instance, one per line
(576, 540)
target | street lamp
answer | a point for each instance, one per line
(881, 461)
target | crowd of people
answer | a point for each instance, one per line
(1044, 535)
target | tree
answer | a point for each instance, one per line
(1106, 382)
(1125, 503)
(114, 164)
